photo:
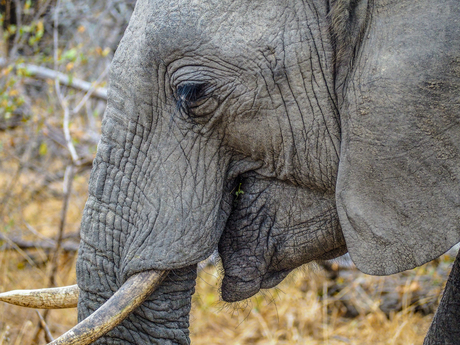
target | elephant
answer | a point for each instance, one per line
(280, 133)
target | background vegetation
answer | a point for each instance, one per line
(54, 59)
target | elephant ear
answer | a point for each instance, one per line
(398, 188)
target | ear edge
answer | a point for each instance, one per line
(388, 248)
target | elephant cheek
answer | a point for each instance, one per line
(274, 228)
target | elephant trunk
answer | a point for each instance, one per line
(160, 316)
(133, 292)
(135, 221)
(171, 307)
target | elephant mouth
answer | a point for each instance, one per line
(236, 287)
(271, 279)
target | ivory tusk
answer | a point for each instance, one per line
(132, 293)
(52, 298)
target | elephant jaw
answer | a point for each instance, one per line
(235, 287)
(275, 227)
(131, 294)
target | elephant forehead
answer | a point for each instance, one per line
(179, 26)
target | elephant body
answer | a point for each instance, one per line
(444, 329)
(279, 132)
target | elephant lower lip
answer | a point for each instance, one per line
(235, 289)
(271, 279)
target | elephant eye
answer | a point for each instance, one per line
(188, 95)
(194, 99)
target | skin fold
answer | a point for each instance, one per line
(279, 132)
(264, 240)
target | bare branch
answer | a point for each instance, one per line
(48, 337)
(90, 91)
(68, 139)
(17, 7)
(15, 243)
(44, 73)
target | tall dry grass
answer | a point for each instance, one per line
(301, 311)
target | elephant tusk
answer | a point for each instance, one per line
(52, 298)
(132, 293)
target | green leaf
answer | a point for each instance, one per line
(11, 29)
(70, 54)
(43, 149)
(239, 191)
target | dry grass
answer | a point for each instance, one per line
(301, 311)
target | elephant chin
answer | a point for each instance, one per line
(236, 288)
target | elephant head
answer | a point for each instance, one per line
(279, 132)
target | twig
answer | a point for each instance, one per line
(44, 73)
(19, 243)
(55, 50)
(91, 90)
(68, 139)
(70, 173)
(48, 337)
(35, 232)
(17, 7)
(19, 250)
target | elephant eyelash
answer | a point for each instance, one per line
(187, 95)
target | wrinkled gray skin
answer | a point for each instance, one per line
(339, 120)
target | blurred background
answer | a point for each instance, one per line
(54, 60)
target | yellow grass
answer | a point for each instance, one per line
(295, 313)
